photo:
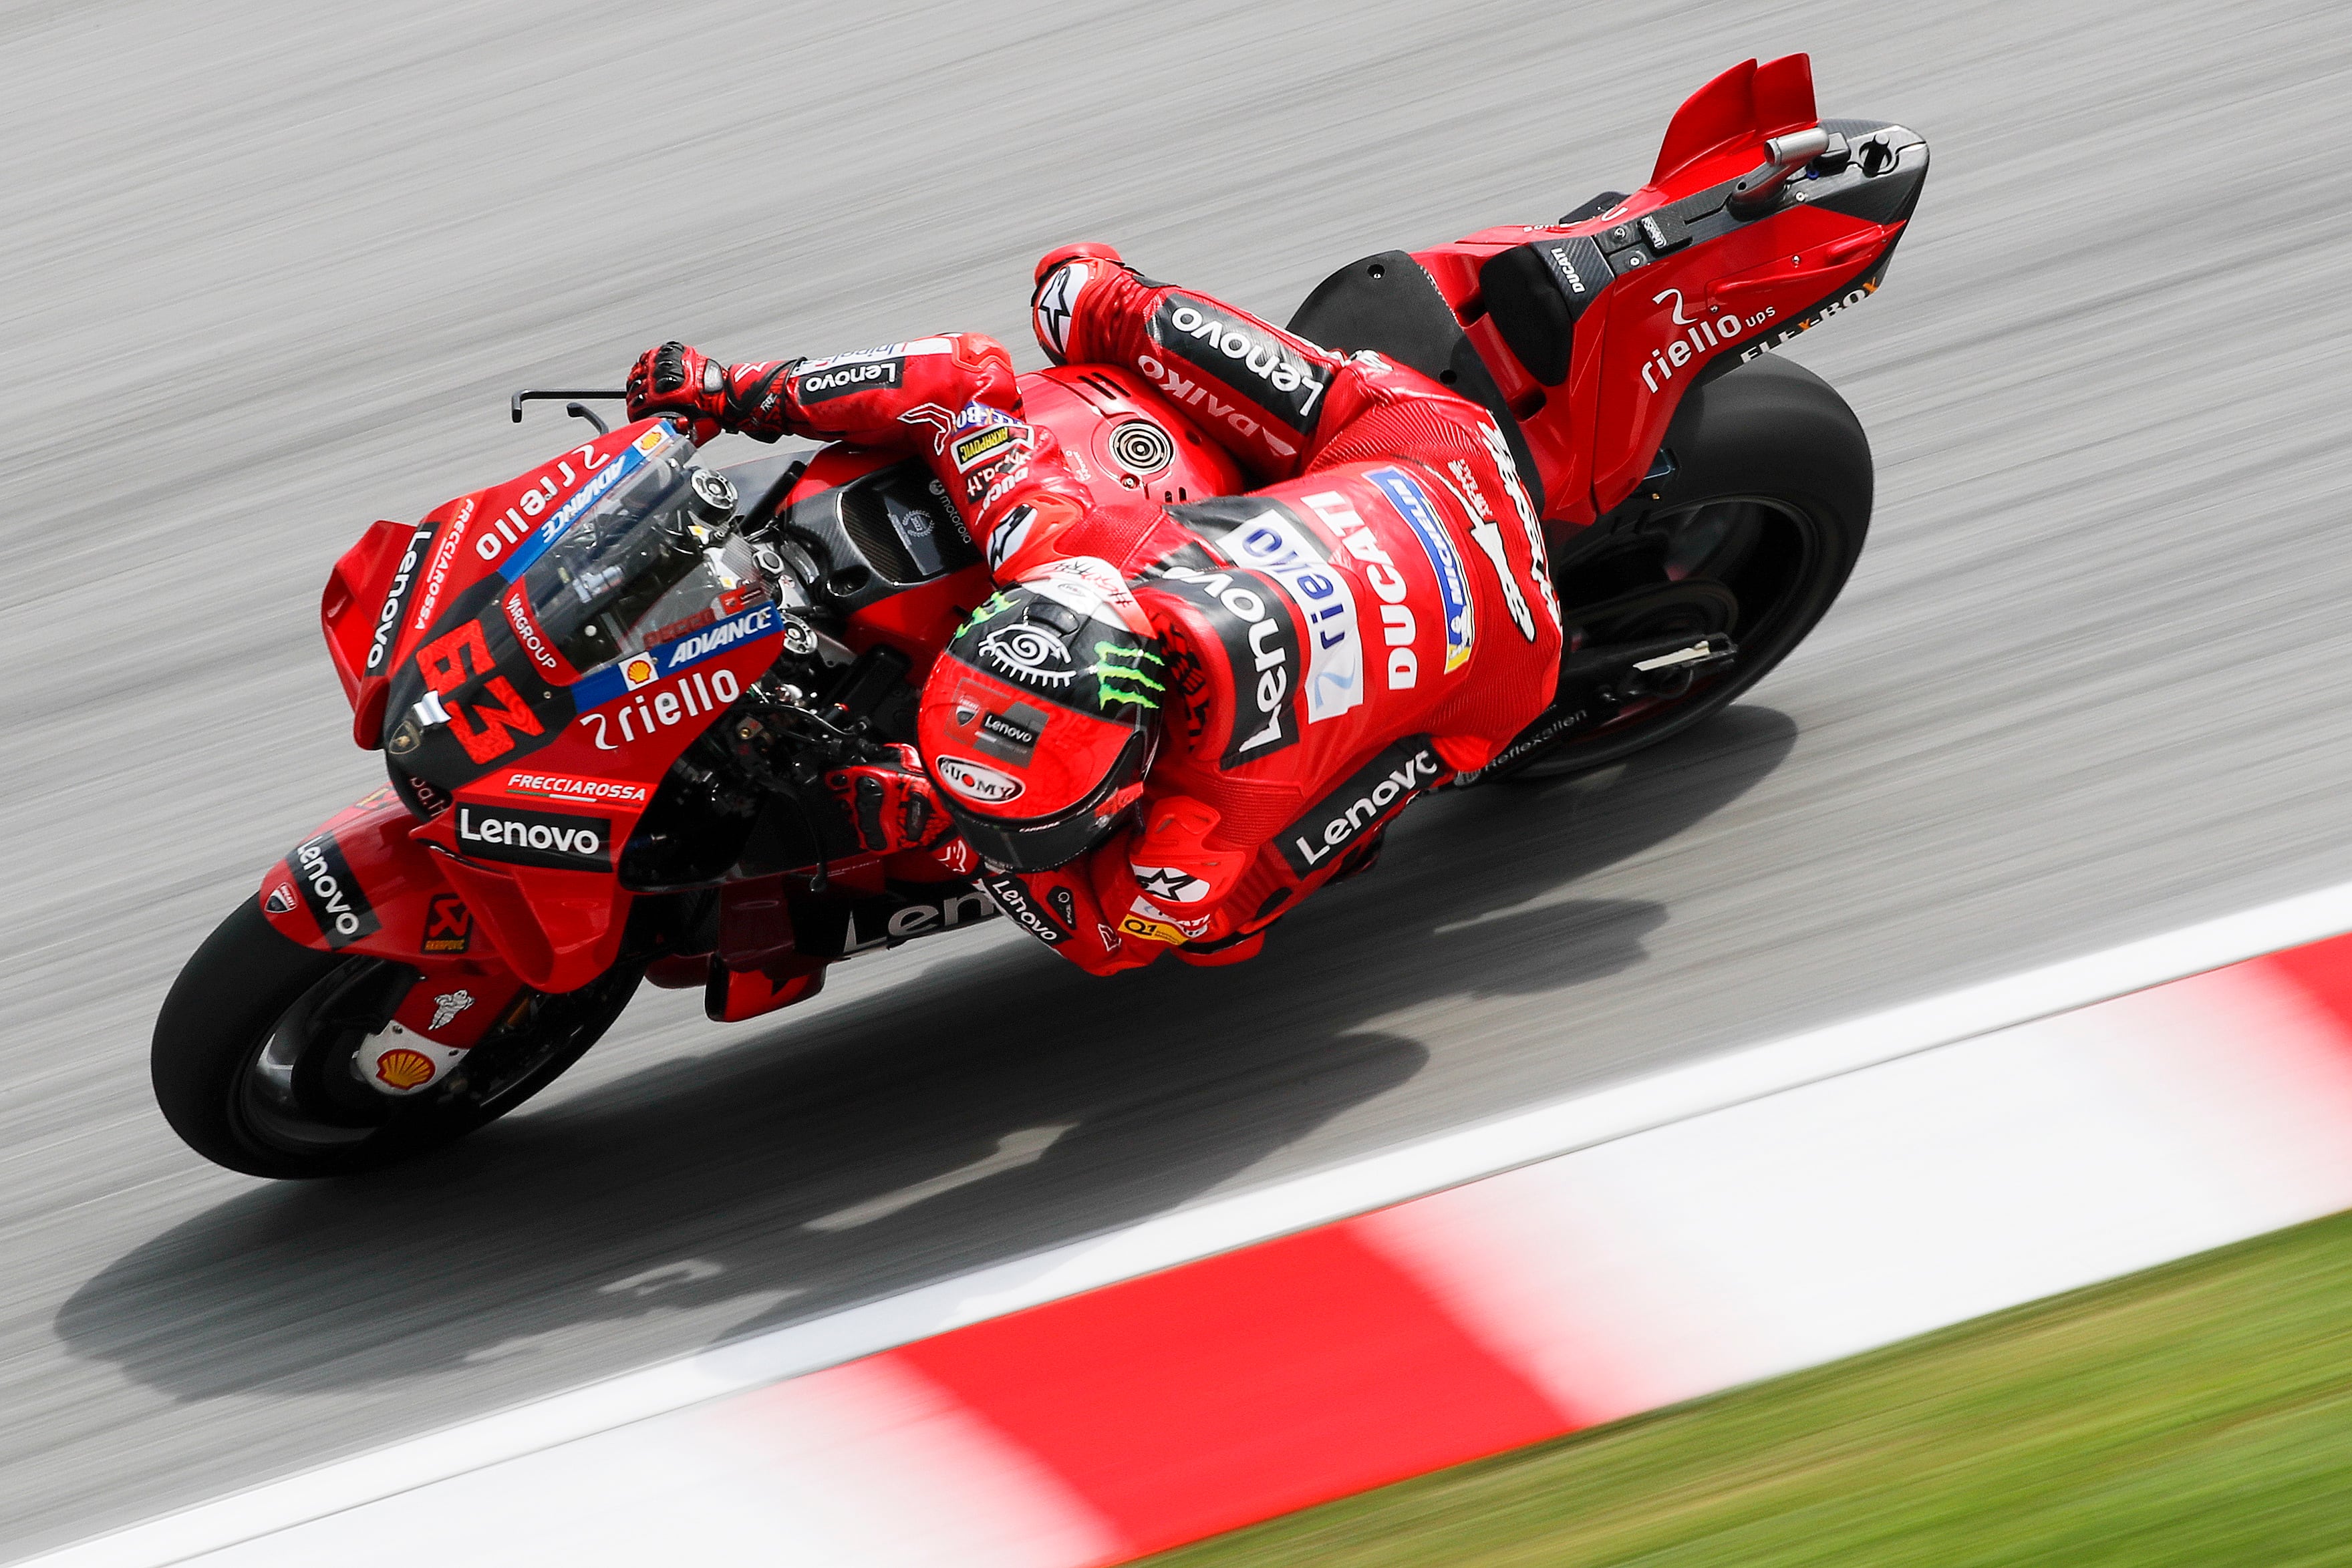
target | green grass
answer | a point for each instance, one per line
(2200, 1413)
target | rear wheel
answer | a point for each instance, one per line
(255, 1055)
(1753, 533)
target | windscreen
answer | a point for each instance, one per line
(636, 577)
(651, 563)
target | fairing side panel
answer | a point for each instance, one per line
(362, 885)
(369, 882)
(359, 601)
(1670, 321)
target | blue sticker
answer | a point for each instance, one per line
(600, 484)
(625, 675)
(1412, 503)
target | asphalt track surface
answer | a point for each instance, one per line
(270, 271)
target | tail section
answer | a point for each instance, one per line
(1719, 131)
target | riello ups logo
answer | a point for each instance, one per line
(559, 841)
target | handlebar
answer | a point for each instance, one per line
(533, 394)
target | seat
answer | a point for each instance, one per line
(1389, 304)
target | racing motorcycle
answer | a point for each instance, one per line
(608, 691)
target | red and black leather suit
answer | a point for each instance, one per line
(1375, 617)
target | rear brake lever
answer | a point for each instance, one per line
(528, 394)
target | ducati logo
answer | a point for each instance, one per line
(940, 422)
(280, 900)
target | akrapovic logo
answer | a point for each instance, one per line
(556, 839)
(973, 450)
(1367, 798)
(333, 893)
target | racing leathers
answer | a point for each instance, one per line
(1376, 618)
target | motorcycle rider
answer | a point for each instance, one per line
(1270, 677)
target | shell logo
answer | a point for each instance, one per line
(640, 670)
(403, 1068)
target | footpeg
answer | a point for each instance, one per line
(1650, 677)
(1618, 674)
(1598, 683)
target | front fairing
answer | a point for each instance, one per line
(551, 599)
(573, 633)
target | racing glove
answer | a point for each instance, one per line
(890, 807)
(675, 377)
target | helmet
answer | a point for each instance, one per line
(1038, 720)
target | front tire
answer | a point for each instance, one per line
(254, 1047)
(1753, 533)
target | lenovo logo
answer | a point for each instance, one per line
(1367, 798)
(556, 839)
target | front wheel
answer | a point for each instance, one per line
(255, 1055)
(1752, 534)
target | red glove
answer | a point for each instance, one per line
(678, 379)
(675, 379)
(890, 807)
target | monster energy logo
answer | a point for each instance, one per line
(1120, 675)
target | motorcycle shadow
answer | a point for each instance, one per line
(980, 1111)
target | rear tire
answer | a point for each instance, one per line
(253, 1052)
(1754, 533)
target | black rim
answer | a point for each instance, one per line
(1750, 566)
(300, 1091)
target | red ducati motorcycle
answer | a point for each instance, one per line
(608, 692)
